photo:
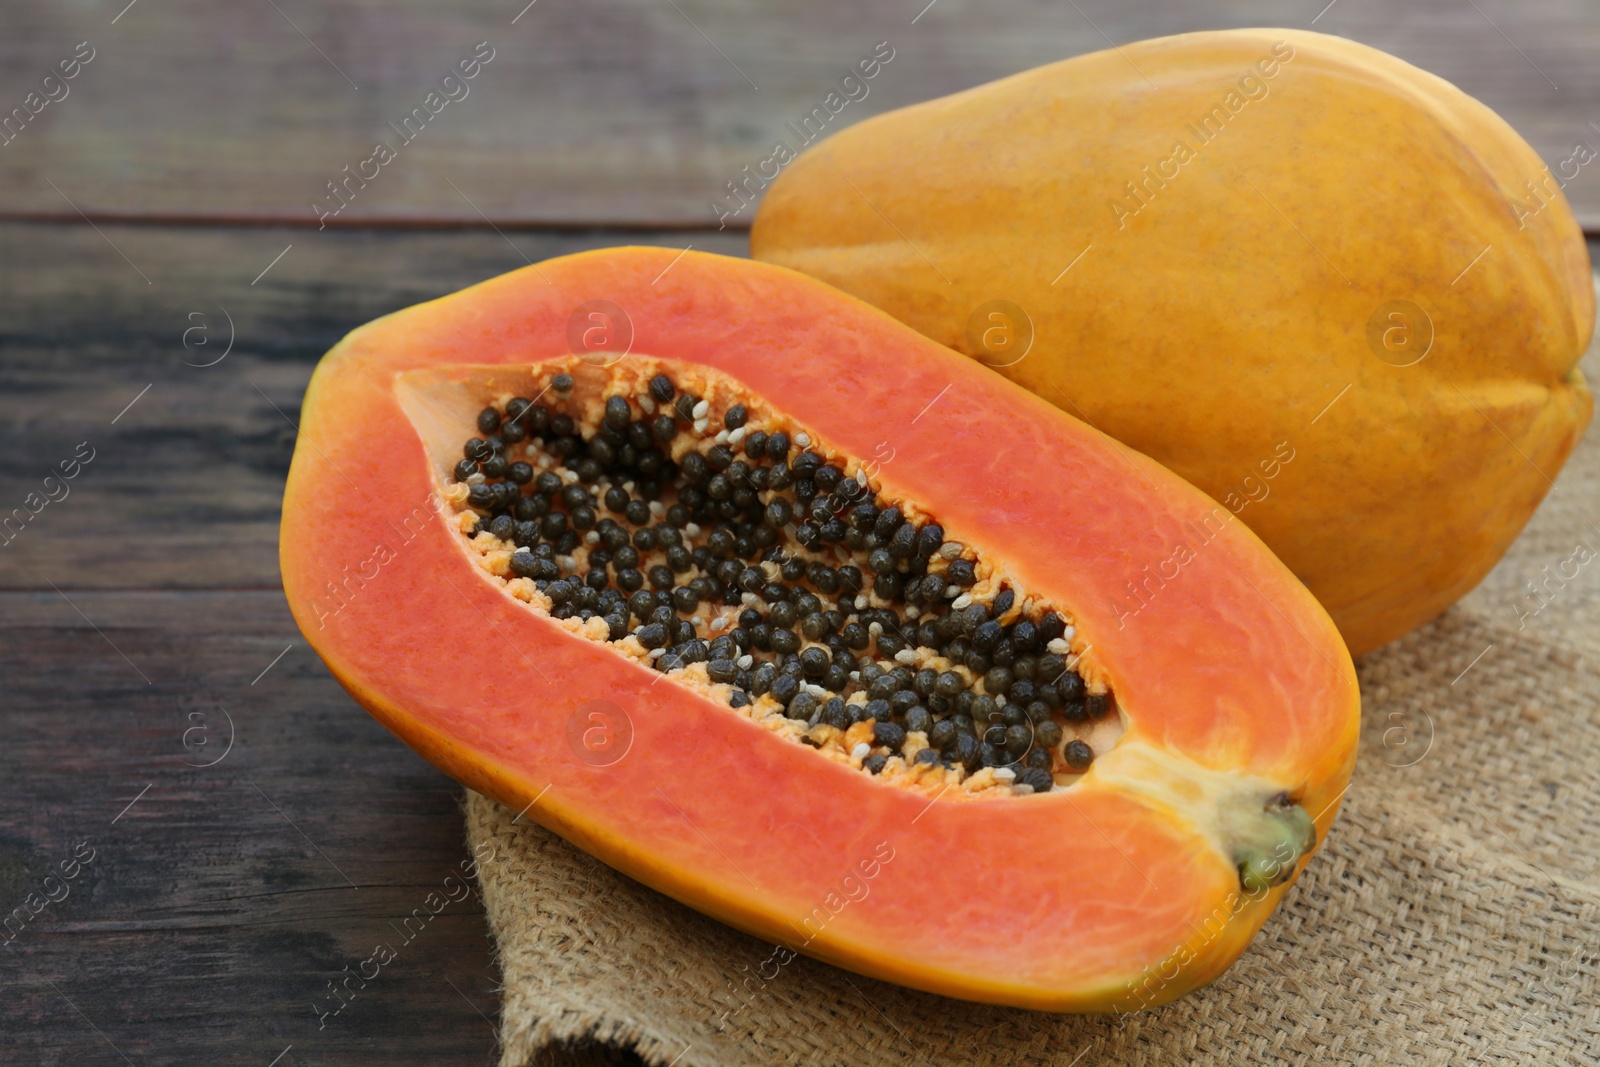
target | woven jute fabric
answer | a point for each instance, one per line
(1452, 917)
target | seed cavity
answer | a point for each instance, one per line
(671, 514)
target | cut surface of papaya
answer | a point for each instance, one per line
(790, 613)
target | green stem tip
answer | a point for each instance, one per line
(1278, 839)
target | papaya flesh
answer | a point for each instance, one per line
(1222, 715)
(1229, 248)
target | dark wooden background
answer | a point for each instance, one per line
(163, 208)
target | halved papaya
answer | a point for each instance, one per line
(798, 617)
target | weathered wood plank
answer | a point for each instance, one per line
(618, 111)
(215, 903)
(183, 488)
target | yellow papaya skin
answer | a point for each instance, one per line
(1330, 289)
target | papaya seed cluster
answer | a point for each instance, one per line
(740, 555)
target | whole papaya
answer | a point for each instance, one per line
(1330, 289)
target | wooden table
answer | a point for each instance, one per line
(167, 287)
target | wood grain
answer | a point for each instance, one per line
(184, 487)
(218, 906)
(631, 112)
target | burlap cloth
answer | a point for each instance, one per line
(1453, 916)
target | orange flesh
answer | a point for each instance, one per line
(1075, 900)
(421, 398)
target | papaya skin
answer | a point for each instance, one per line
(1223, 312)
(1112, 894)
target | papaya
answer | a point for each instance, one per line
(788, 612)
(1331, 290)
